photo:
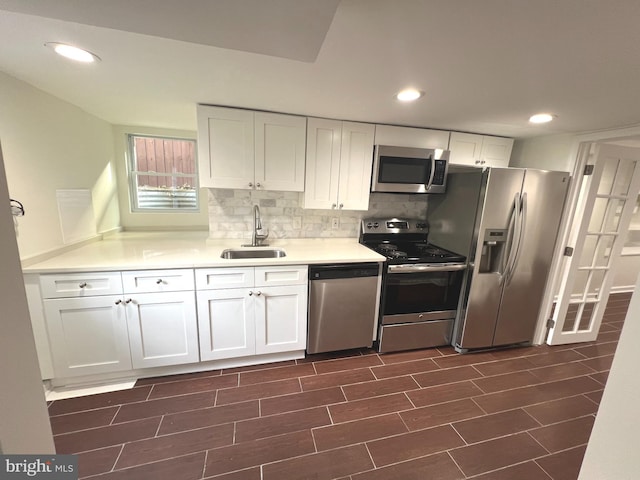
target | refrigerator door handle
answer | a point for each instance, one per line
(523, 216)
(513, 223)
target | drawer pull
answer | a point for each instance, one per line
(128, 300)
(118, 302)
(159, 281)
(83, 285)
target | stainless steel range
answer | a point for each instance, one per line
(421, 284)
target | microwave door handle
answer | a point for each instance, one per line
(433, 172)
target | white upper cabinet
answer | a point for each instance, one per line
(480, 150)
(339, 163)
(411, 137)
(244, 149)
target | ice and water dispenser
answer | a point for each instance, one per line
(492, 258)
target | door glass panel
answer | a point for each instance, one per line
(623, 178)
(595, 283)
(580, 282)
(597, 214)
(613, 215)
(603, 253)
(588, 250)
(608, 177)
(587, 314)
(570, 319)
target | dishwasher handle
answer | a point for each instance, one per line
(343, 270)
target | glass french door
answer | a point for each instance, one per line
(606, 200)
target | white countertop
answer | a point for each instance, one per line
(160, 250)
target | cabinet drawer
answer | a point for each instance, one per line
(216, 278)
(80, 284)
(151, 281)
(285, 275)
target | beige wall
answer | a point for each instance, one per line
(48, 145)
(137, 220)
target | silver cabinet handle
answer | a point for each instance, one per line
(83, 285)
(258, 293)
(251, 184)
(250, 293)
(258, 185)
(118, 302)
(341, 205)
(159, 281)
(333, 205)
(128, 300)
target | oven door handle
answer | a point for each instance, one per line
(427, 267)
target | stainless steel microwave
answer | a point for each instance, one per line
(409, 170)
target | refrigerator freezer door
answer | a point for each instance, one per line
(543, 197)
(485, 291)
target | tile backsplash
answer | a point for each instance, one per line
(231, 214)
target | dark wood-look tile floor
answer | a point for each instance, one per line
(522, 413)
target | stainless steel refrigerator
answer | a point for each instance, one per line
(505, 220)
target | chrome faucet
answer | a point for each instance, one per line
(259, 235)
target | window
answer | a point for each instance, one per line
(163, 174)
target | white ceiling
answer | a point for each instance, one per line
(485, 65)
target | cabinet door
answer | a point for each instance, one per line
(496, 151)
(280, 152)
(225, 147)
(411, 137)
(163, 329)
(281, 319)
(356, 163)
(88, 335)
(324, 138)
(226, 323)
(465, 149)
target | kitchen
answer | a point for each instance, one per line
(92, 138)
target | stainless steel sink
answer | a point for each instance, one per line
(235, 253)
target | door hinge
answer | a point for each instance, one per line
(588, 169)
(568, 251)
(551, 323)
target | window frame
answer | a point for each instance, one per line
(133, 174)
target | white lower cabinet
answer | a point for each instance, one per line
(163, 329)
(96, 334)
(88, 335)
(267, 314)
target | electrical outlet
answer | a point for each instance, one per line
(335, 223)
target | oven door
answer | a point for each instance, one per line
(421, 292)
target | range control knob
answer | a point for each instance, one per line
(369, 225)
(376, 225)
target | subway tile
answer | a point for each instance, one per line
(358, 431)
(260, 366)
(207, 417)
(196, 385)
(499, 367)
(598, 350)
(274, 374)
(369, 407)
(448, 375)
(560, 410)
(90, 402)
(324, 465)
(380, 387)
(397, 357)
(555, 357)
(412, 445)
(564, 435)
(301, 400)
(561, 371)
(94, 438)
(257, 391)
(497, 453)
(187, 467)
(563, 465)
(176, 444)
(440, 414)
(257, 452)
(163, 406)
(82, 420)
(349, 363)
(451, 361)
(281, 423)
(177, 378)
(327, 380)
(496, 425)
(443, 393)
(434, 467)
(599, 364)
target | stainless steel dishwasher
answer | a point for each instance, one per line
(343, 301)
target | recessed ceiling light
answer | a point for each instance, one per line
(409, 95)
(73, 53)
(541, 118)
